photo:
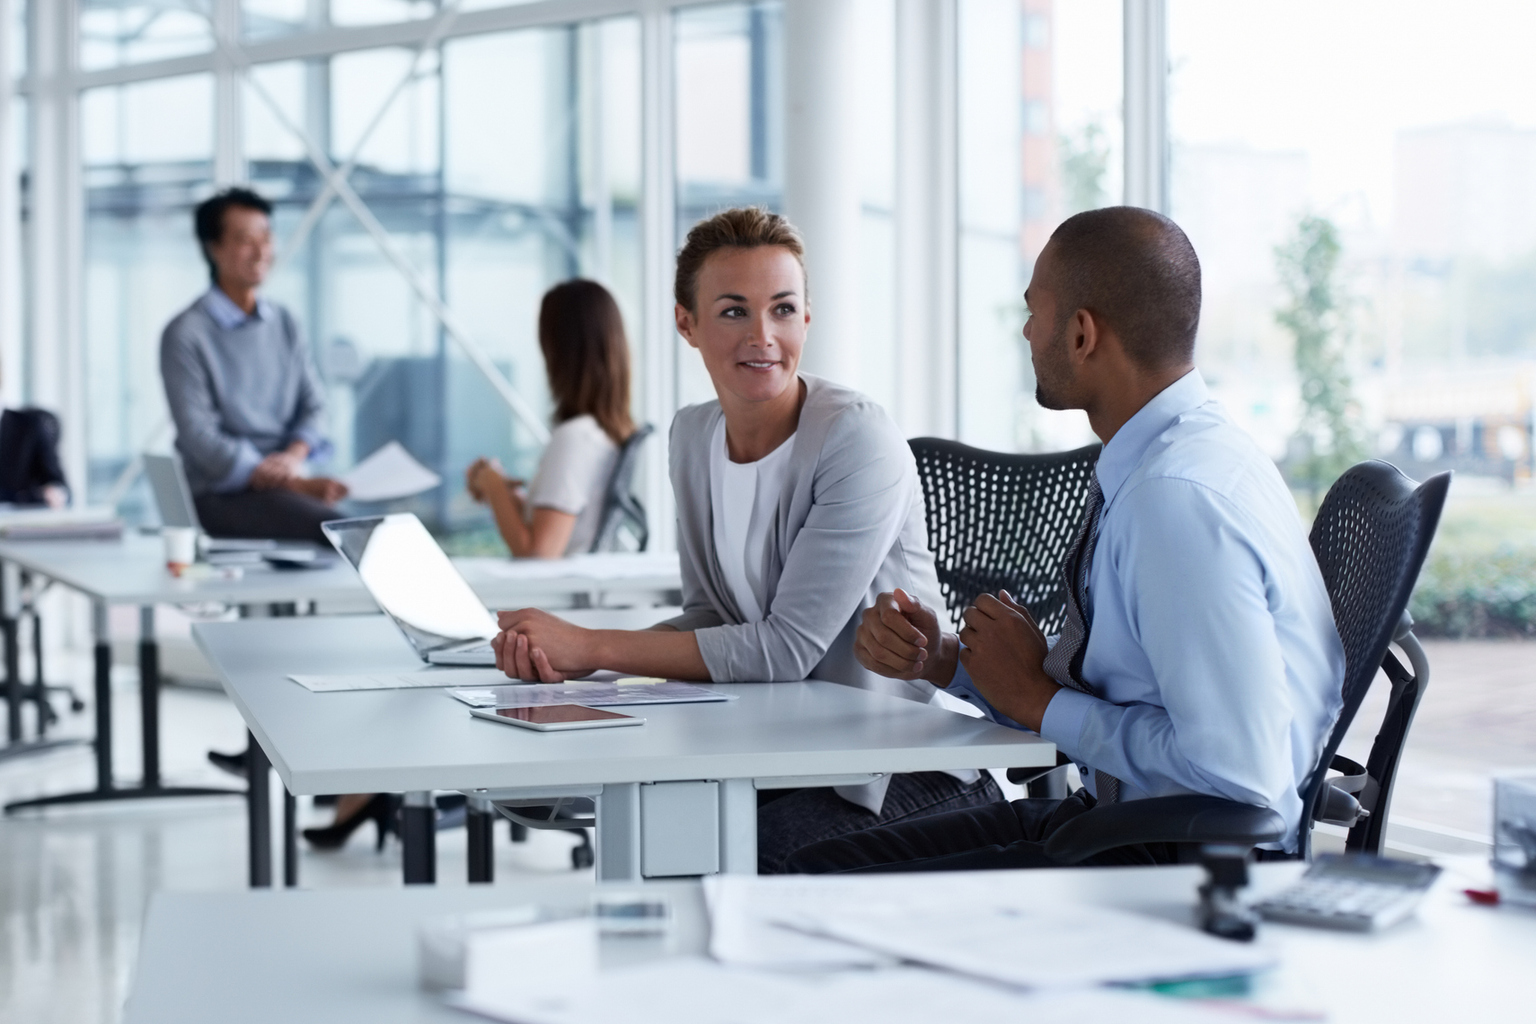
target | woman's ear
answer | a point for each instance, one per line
(685, 323)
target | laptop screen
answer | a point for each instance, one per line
(412, 580)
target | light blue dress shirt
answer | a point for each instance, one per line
(1212, 645)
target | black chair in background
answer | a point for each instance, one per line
(1005, 522)
(1370, 538)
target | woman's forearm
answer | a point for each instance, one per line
(669, 653)
(509, 521)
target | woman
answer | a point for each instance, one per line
(797, 504)
(586, 356)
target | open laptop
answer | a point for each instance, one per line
(418, 588)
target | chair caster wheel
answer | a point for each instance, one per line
(77, 706)
(582, 857)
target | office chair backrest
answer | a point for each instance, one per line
(998, 521)
(1370, 538)
(620, 506)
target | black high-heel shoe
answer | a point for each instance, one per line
(380, 809)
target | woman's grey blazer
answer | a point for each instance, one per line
(850, 526)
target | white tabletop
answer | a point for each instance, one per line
(131, 570)
(349, 955)
(420, 739)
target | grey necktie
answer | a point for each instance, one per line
(1065, 662)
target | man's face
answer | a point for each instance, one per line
(243, 253)
(1046, 331)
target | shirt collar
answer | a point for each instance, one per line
(1124, 451)
(224, 311)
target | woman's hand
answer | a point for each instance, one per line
(481, 476)
(538, 646)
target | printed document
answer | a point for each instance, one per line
(387, 474)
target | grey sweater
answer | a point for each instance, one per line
(238, 391)
(850, 525)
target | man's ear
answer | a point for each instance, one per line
(685, 323)
(1084, 336)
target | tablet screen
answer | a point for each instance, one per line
(550, 714)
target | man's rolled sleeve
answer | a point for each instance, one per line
(247, 458)
(1062, 722)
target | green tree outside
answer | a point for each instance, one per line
(1329, 436)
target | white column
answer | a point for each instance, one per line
(57, 371)
(821, 176)
(657, 355)
(229, 135)
(927, 217)
(1146, 104)
(11, 390)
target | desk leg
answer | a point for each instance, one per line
(290, 840)
(10, 596)
(418, 838)
(103, 637)
(149, 696)
(618, 833)
(258, 798)
(738, 827)
(480, 822)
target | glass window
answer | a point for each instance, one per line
(116, 32)
(1040, 130)
(876, 77)
(263, 19)
(491, 201)
(18, 37)
(147, 151)
(729, 112)
(1375, 160)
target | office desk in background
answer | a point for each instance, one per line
(695, 766)
(131, 571)
(349, 955)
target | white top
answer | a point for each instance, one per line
(573, 475)
(746, 499)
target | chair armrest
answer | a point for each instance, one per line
(1187, 818)
(1024, 776)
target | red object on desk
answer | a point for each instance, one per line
(1483, 897)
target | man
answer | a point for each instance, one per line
(241, 387)
(1200, 654)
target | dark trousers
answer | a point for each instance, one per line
(275, 515)
(790, 819)
(998, 835)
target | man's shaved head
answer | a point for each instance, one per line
(1136, 272)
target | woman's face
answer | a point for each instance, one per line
(750, 321)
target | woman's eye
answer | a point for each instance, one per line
(734, 312)
(785, 309)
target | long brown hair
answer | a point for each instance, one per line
(586, 354)
(744, 227)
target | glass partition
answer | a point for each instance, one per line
(1040, 137)
(116, 32)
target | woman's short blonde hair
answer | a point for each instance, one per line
(745, 227)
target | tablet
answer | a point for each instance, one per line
(556, 717)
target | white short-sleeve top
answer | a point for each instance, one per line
(573, 476)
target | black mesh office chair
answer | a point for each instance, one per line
(1370, 538)
(1002, 522)
(621, 509)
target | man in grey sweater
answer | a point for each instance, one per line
(243, 391)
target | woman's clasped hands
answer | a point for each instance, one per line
(539, 647)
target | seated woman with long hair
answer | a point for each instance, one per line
(797, 504)
(586, 356)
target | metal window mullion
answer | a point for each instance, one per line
(10, 225)
(228, 127)
(658, 227)
(1146, 104)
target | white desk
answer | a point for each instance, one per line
(350, 955)
(131, 571)
(414, 741)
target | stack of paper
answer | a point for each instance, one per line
(590, 694)
(387, 474)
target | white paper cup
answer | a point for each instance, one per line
(180, 548)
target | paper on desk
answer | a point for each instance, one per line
(388, 473)
(692, 991)
(592, 694)
(426, 677)
(616, 566)
(1035, 946)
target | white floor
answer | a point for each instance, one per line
(75, 883)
